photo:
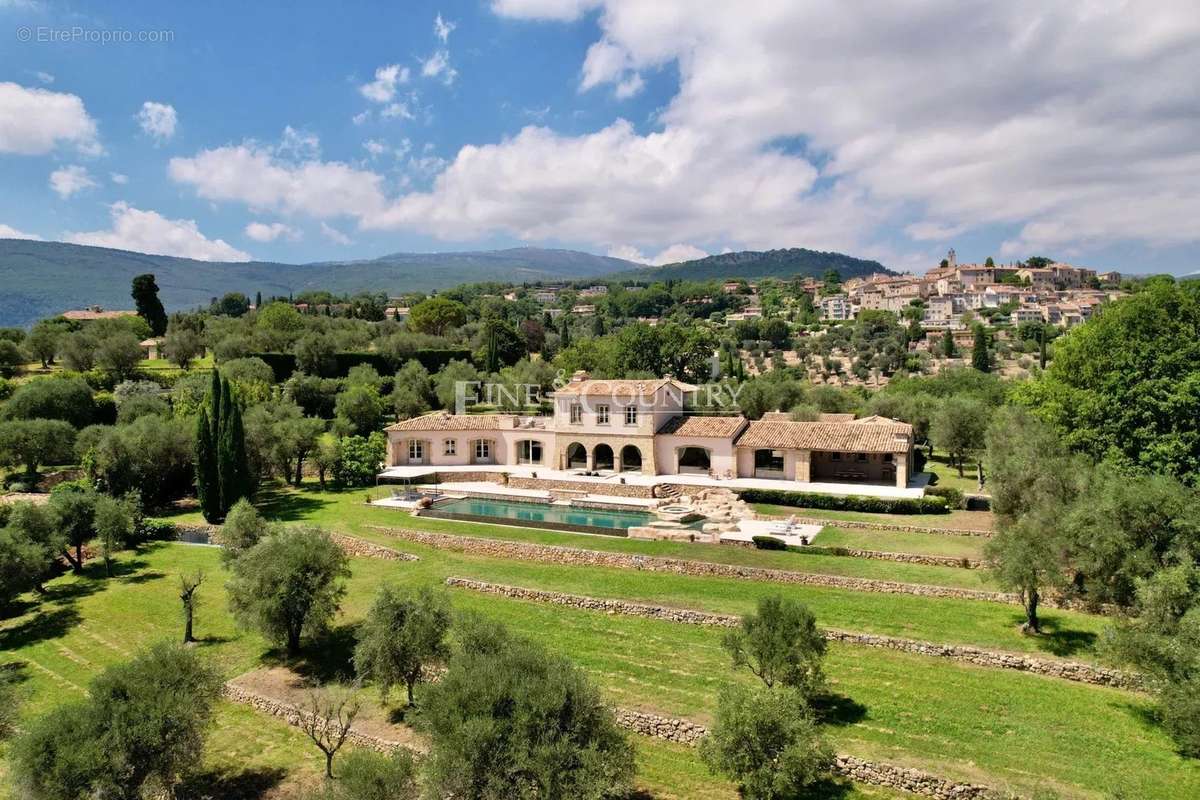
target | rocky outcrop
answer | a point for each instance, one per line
(1066, 670)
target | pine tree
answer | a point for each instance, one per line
(208, 489)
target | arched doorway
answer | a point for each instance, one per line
(694, 461)
(602, 457)
(576, 456)
(631, 458)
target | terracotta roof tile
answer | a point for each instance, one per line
(844, 437)
(444, 421)
(694, 425)
(620, 388)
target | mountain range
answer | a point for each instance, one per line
(40, 279)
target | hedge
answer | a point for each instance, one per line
(833, 502)
(953, 497)
(768, 543)
(284, 364)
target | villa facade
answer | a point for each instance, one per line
(641, 427)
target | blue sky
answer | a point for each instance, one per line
(301, 132)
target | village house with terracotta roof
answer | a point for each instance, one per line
(642, 427)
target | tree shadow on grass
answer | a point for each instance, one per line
(14, 672)
(838, 709)
(288, 506)
(247, 784)
(324, 659)
(44, 625)
(1057, 639)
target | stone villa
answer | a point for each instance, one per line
(639, 428)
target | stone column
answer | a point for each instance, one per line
(803, 466)
(901, 470)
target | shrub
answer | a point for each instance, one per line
(954, 497)
(769, 543)
(830, 502)
(157, 530)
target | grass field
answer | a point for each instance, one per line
(931, 544)
(966, 520)
(1006, 729)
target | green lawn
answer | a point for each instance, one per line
(992, 625)
(931, 544)
(948, 475)
(1004, 728)
(966, 520)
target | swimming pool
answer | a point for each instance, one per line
(542, 515)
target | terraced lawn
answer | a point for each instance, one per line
(1006, 729)
(929, 544)
(965, 520)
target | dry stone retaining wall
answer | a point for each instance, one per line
(558, 554)
(907, 558)
(1067, 670)
(870, 772)
(296, 717)
(890, 526)
(353, 546)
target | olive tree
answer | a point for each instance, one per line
(400, 636)
(34, 442)
(780, 643)
(510, 719)
(767, 741)
(289, 585)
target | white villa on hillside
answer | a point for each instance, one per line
(639, 428)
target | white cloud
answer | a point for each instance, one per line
(383, 88)
(34, 121)
(560, 10)
(398, 110)
(158, 120)
(298, 144)
(118, 178)
(671, 255)
(438, 66)
(443, 28)
(1071, 124)
(44, 77)
(266, 178)
(150, 232)
(361, 117)
(9, 232)
(629, 86)
(926, 231)
(72, 180)
(269, 232)
(375, 147)
(334, 235)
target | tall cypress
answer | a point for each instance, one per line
(208, 489)
(214, 402)
(226, 451)
(980, 358)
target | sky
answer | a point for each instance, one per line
(654, 130)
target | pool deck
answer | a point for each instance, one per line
(915, 488)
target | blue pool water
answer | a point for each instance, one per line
(619, 522)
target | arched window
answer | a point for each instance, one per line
(602, 457)
(694, 460)
(631, 459)
(576, 456)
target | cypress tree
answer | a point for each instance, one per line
(208, 489)
(980, 359)
(226, 451)
(565, 340)
(1042, 346)
(232, 460)
(214, 402)
(258, 299)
